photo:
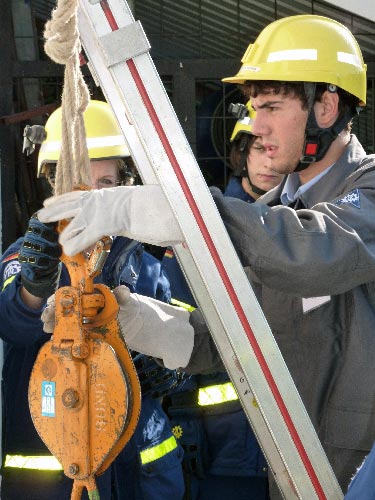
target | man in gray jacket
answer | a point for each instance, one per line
(309, 243)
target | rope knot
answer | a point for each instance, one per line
(63, 45)
(61, 32)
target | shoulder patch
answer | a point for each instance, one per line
(10, 269)
(11, 257)
(351, 198)
(169, 253)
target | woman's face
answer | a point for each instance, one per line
(104, 173)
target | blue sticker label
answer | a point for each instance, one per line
(351, 198)
(48, 399)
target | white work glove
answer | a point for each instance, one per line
(141, 213)
(155, 328)
(148, 326)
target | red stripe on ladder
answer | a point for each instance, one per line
(220, 267)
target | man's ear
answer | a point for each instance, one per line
(327, 109)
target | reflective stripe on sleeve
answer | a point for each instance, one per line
(48, 462)
(158, 451)
(187, 307)
(8, 281)
(216, 394)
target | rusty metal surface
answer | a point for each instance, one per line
(84, 393)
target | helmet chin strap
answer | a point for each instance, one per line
(255, 189)
(244, 170)
(318, 140)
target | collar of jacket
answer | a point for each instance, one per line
(331, 185)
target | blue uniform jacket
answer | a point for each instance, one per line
(362, 487)
(21, 330)
(228, 444)
(235, 190)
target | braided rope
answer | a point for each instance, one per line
(62, 45)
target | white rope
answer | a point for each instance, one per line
(62, 45)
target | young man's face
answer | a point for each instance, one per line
(281, 122)
(259, 167)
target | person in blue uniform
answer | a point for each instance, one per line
(251, 174)
(222, 456)
(362, 486)
(30, 271)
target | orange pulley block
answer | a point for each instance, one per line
(84, 393)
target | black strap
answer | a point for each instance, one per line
(318, 140)
(244, 148)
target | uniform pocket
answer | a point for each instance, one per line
(161, 470)
(349, 429)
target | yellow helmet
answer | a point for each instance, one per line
(244, 125)
(104, 136)
(306, 48)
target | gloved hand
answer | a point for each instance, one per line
(39, 258)
(157, 381)
(141, 213)
(48, 315)
(148, 326)
(155, 328)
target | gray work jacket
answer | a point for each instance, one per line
(325, 249)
